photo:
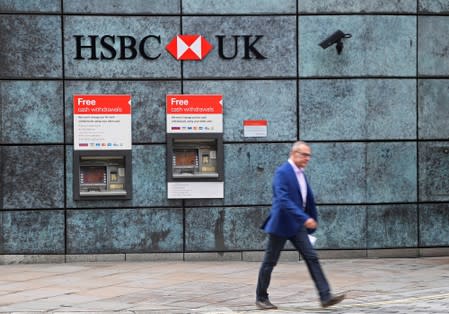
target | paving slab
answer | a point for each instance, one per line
(372, 285)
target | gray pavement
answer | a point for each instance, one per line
(390, 285)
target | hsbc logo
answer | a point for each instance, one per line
(182, 47)
(189, 47)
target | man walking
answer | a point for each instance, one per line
(293, 216)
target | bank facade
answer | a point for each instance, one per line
(374, 111)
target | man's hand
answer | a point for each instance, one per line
(310, 223)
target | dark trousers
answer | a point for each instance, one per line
(301, 242)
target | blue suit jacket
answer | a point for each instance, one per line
(288, 214)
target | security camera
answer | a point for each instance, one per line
(335, 38)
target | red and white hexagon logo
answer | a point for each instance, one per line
(189, 47)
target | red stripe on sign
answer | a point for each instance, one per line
(255, 123)
(102, 104)
(194, 104)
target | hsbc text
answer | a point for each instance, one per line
(109, 47)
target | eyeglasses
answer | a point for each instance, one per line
(304, 154)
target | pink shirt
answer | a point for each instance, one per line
(301, 181)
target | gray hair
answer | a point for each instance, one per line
(296, 145)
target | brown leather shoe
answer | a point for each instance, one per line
(334, 299)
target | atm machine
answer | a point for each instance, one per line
(102, 175)
(194, 147)
(102, 147)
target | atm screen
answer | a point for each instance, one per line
(187, 157)
(93, 174)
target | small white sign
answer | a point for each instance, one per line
(255, 128)
(181, 190)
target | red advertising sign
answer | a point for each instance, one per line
(102, 122)
(194, 113)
